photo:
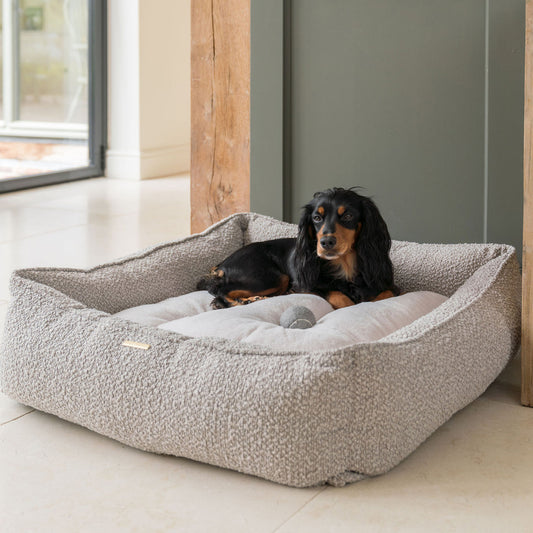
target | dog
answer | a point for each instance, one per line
(341, 253)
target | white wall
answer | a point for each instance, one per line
(148, 88)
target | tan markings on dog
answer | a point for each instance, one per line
(341, 210)
(274, 291)
(345, 266)
(337, 300)
(245, 301)
(319, 235)
(383, 296)
(345, 239)
(234, 295)
(321, 211)
(216, 272)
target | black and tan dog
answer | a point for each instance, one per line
(341, 253)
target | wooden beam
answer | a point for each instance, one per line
(527, 257)
(220, 110)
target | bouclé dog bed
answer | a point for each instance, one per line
(259, 323)
(296, 417)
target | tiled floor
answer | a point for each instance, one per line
(474, 474)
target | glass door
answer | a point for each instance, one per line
(52, 103)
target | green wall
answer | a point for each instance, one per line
(418, 101)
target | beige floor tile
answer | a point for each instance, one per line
(512, 373)
(3, 310)
(19, 222)
(28, 197)
(101, 195)
(473, 475)
(503, 392)
(59, 477)
(11, 410)
(119, 197)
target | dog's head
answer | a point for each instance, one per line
(335, 222)
(340, 222)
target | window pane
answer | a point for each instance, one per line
(53, 61)
(45, 111)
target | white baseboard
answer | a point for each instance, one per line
(146, 164)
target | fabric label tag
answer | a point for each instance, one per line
(134, 344)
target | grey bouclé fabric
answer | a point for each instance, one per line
(295, 418)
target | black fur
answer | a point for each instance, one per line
(279, 266)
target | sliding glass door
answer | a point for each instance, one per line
(52, 103)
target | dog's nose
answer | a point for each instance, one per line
(328, 242)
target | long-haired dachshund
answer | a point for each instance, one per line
(341, 253)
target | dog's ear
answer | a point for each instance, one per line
(305, 261)
(372, 247)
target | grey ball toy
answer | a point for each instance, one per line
(297, 317)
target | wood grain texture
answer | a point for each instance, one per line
(527, 258)
(220, 110)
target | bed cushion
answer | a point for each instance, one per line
(259, 322)
(299, 418)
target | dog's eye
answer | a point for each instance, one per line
(317, 218)
(347, 217)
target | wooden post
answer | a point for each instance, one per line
(527, 258)
(220, 110)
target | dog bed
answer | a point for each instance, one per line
(297, 417)
(260, 322)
